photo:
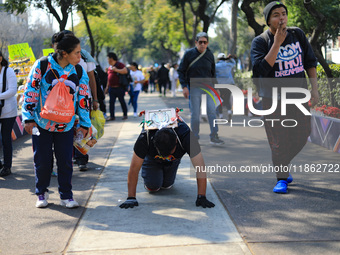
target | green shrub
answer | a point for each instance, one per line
(324, 89)
(243, 80)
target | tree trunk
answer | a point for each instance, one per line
(251, 17)
(190, 41)
(89, 32)
(233, 34)
(64, 11)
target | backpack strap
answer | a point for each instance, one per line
(194, 61)
(293, 30)
(179, 140)
(44, 64)
(79, 71)
(4, 85)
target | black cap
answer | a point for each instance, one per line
(271, 6)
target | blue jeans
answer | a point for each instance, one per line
(157, 175)
(134, 98)
(195, 99)
(6, 131)
(43, 156)
(114, 93)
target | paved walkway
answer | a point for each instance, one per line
(304, 221)
(167, 222)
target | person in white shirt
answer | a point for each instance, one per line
(136, 86)
(173, 76)
(8, 112)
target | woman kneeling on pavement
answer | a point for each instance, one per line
(47, 133)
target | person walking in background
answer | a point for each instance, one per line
(136, 86)
(113, 88)
(224, 75)
(152, 78)
(8, 113)
(173, 77)
(198, 62)
(163, 79)
(272, 60)
(47, 133)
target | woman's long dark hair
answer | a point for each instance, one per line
(4, 62)
(65, 42)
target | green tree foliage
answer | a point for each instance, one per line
(137, 30)
(114, 29)
(65, 6)
(163, 30)
(221, 42)
(203, 11)
(299, 16)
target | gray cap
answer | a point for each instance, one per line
(271, 6)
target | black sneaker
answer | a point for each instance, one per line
(215, 140)
(82, 167)
(5, 171)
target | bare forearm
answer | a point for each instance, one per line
(272, 54)
(311, 72)
(201, 176)
(132, 184)
(136, 164)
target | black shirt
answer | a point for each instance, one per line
(144, 148)
(202, 68)
(295, 56)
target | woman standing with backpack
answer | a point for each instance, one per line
(47, 133)
(8, 112)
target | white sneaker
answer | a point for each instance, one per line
(42, 200)
(69, 203)
(134, 114)
(220, 115)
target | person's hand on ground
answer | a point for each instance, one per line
(129, 203)
(204, 202)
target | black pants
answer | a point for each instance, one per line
(286, 142)
(114, 93)
(6, 130)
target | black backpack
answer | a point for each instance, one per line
(101, 81)
(98, 74)
(125, 80)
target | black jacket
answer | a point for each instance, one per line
(203, 68)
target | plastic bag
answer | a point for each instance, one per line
(98, 121)
(59, 105)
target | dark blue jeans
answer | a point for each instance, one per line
(6, 131)
(43, 146)
(114, 93)
(133, 98)
(157, 175)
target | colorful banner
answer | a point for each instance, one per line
(20, 51)
(47, 51)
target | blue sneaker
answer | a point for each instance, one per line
(290, 178)
(281, 187)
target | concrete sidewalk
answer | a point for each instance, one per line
(167, 222)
